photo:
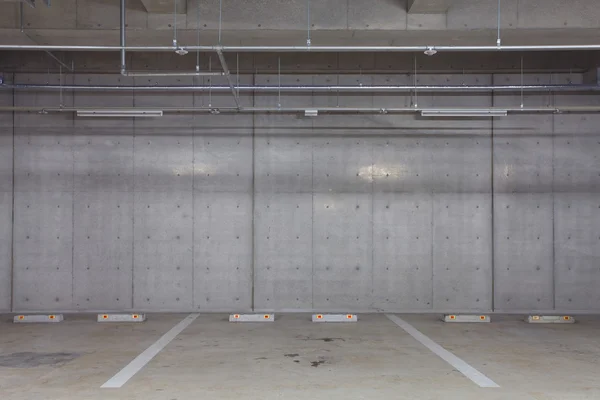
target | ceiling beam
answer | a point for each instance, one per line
(165, 6)
(30, 3)
(428, 6)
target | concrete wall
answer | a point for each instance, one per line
(281, 212)
(6, 200)
(274, 22)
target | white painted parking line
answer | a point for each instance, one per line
(140, 361)
(468, 371)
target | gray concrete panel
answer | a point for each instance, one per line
(103, 251)
(523, 144)
(43, 161)
(402, 249)
(223, 240)
(223, 159)
(554, 13)
(460, 15)
(389, 15)
(209, 98)
(385, 100)
(9, 16)
(426, 22)
(343, 125)
(61, 15)
(576, 156)
(283, 164)
(283, 251)
(103, 162)
(403, 163)
(170, 124)
(523, 163)
(523, 252)
(461, 163)
(43, 244)
(39, 123)
(269, 14)
(577, 251)
(163, 163)
(90, 126)
(6, 144)
(43, 142)
(102, 15)
(409, 124)
(342, 165)
(522, 124)
(163, 251)
(462, 252)
(283, 123)
(343, 242)
(6, 207)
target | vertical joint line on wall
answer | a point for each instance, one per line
(12, 240)
(312, 206)
(194, 81)
(372, 222)
(72, 193)
(133, 205)
(553, 211)
(220, 19)
(493, 247)
(253, 200)
(432, 238)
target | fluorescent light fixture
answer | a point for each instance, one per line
(481, 113)
(119, 113)
(311, 113)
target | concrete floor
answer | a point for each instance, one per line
(293, 358)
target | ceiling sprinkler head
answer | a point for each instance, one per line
(430, 51)
(181, 51)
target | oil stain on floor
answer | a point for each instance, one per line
(32, 360)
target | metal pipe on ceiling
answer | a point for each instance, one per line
(122, 31)
(308, 49)
(314, 89)
(122, 48)
(325, 110)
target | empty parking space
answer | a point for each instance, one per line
(295, 358)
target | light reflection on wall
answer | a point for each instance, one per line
(384, 170)
(196, 169)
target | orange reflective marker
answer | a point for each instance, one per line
(134, 316)
(266, 316)
(51, 317)
(349, 316)
(453, 317)
(319, 316)
(21, 317)
(482, 318)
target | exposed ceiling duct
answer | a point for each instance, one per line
(311, 49)
(311, 111)
(30, 3)
(314, 89)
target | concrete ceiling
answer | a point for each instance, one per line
(165, 6)
(428, 6)
(278, 22)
